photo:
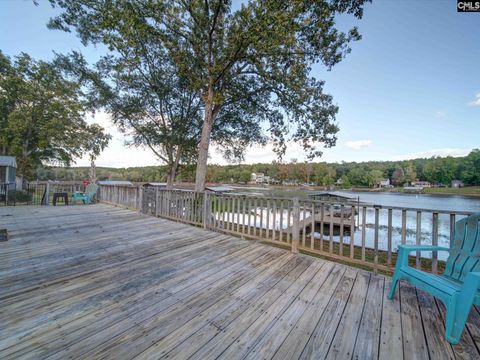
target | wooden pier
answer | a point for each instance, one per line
(87, 282)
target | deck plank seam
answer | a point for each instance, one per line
(423, 324)
(341, 316)
(181, 300)
(259, 314)
(363, 312)
(381, 320)
(275, 318)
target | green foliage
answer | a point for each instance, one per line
(42, 116)
(23, 196)
(354, 174)
(249, 67)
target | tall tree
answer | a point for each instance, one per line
(145, 98)
(42, 116)
(250, 65)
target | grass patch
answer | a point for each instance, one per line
(467, 191)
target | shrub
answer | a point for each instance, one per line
(23, 196)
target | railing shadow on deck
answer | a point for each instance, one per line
(366, 235)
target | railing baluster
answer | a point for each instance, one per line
(312, 230)
(435, 242)
(261, 217)
(375, 239)
(304, 230)
(224, 211)
(255, 202)
(229, 212)
(244, 202)
(352, 232)
(404, 226)
(295, 225)
(214, 210)
(289, 223)
(236, 213)
(364, 220)
(452, 230)
(330, 233)
(340, 248)
(418, 238)
(281, 220)
(267, 227)
(249, 214)
(274, 220)
(389, 238)
(205, 210)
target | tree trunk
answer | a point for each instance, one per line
(93, 172)
(201, 172)
(171, 177)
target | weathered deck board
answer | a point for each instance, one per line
(104, 282)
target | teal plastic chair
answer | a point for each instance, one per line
(87, 196)
(458, 287)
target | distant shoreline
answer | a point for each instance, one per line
(473, 191)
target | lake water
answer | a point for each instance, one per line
(443, 203)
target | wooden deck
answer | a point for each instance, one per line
(103, 282)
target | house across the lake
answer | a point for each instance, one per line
(422, 184)
(457, 184)
(259, 178)
(384, 183)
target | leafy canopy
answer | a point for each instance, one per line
(250, 66)
(42, 115)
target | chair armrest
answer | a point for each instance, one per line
(404, 250)
(410, 248)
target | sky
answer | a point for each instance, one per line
(410, 88)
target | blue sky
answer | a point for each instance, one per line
(410, 88)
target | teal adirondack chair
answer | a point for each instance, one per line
(458, 287)
(87, 196)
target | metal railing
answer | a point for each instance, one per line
(7, 193)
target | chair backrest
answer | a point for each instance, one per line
(465, 249)
(91, 189)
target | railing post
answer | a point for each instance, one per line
(140, 197)
(435, 242)
(418, 239)
(375, 238)
(156, 201)
(389, 239)
(205, 209)
(47, 193)
(352, 232)
(295, 225)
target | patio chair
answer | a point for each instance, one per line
(458, 287)
(86, 196)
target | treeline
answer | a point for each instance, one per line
(365, 174)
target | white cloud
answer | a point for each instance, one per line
(476, 102)
(358, 144)
(263, 154)
(455, 152)
(440, 114)
(117, 154)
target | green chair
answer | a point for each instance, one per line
(458, 287)
(87, 196)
